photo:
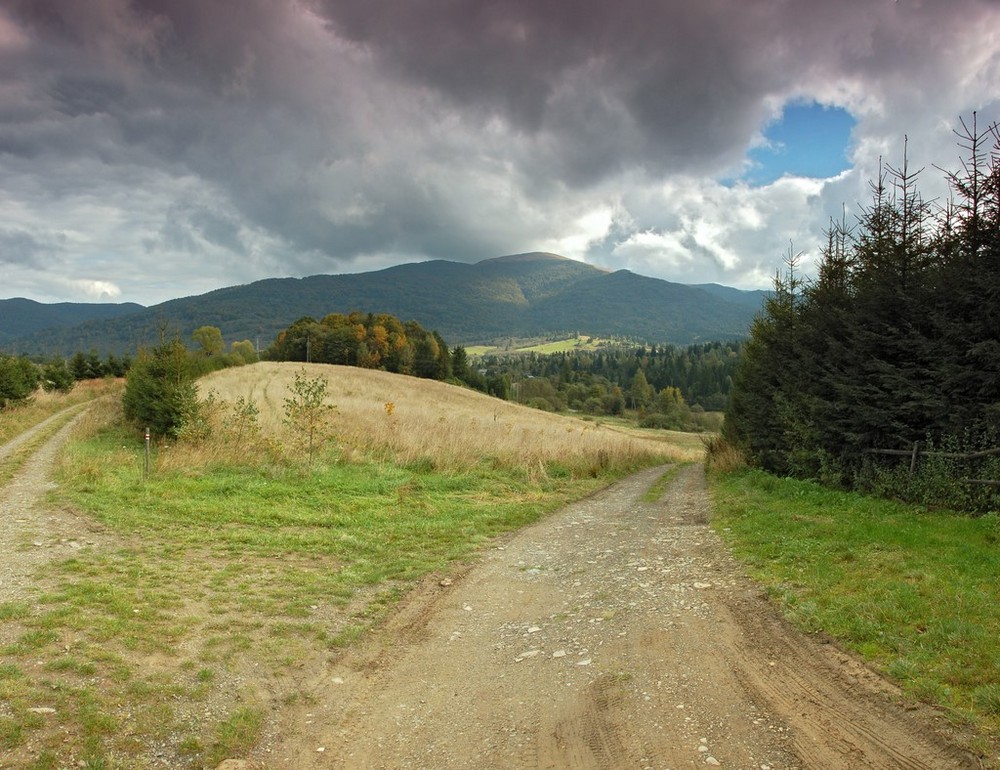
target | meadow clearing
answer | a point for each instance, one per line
(407, 419)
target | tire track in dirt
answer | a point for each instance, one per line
(612, 634)
(845, 716)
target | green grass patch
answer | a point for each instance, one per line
(565, 346)
(11, 733)
(373, 522)
(914, 592)
(236, 734)
(655, 492)
(14, 611)
(569, 344)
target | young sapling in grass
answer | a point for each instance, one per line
(307, 413)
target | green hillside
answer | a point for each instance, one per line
(20, 317)
(524, 295)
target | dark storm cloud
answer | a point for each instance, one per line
(672, 85)
(189, 225)
(666, 85)
(73, 96)
(317, 132)
(659, 84)
(20, 248)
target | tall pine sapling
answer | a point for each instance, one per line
(160, 393)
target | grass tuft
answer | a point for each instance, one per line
(236, 735)
(987, 699)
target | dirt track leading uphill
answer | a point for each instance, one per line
(613, 634)
(30, 537)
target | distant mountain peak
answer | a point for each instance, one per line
(539, 258)
(530, 256)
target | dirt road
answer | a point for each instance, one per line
(29, 538)
(614, 634)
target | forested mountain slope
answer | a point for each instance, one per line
(19, 316)
(522, 295)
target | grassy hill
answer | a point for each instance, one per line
(431, 422)
(524, 295)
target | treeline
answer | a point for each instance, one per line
(21, 377)
(702, 373)
(671, 383)
(665, 384)
(367, 340)
(897, 340)
(381, 341)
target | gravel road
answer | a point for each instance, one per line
(613, 634)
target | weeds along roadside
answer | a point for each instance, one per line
(233, 559)
(914, 592)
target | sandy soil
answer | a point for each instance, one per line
(614, 634)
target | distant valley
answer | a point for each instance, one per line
(517, 296)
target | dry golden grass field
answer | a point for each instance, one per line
(407, 419)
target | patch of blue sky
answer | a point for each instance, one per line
(808, 140)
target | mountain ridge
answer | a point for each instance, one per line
(20, 316)
(519, 295)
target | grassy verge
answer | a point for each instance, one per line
(914, 592)
(224, 572)
(220, 581)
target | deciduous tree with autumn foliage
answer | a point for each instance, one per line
(368, 340)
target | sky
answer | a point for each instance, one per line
(153, 149)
